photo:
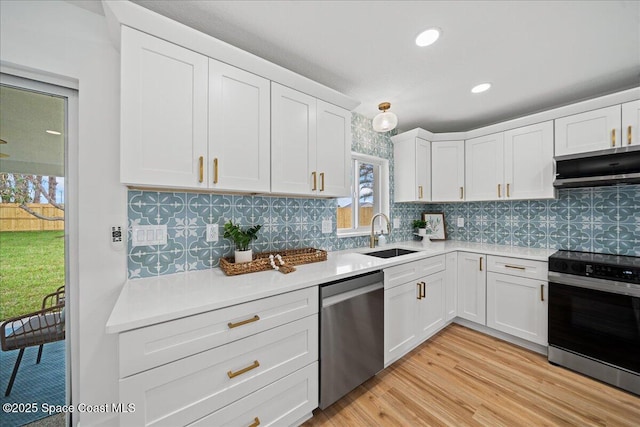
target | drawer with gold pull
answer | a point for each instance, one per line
(282, 403)
(145, 348)
(188, 389)
(518, 267)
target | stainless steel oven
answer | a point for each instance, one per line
(594, 316)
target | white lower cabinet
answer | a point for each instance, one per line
(236, 366)
(517, 298)
(415, 309)
(280, 404)
(451, 283)
(472, 283)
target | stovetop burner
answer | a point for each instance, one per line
(604, 266)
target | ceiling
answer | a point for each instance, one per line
(25, 117)
(537, 54)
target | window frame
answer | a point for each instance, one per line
(382, 185)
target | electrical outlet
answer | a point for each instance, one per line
(460, 222)
(396, 223)
(149, 235)
(212, 233)
(326, 226)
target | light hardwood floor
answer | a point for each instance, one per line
(461, 377)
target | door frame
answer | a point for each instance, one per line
(58, 86)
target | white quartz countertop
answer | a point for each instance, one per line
(144, 302)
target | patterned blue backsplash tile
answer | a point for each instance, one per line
(600, 219)
(604, 219)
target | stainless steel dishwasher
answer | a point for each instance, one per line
(351, 334)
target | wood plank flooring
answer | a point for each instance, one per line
(461, 377)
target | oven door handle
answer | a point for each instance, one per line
(603, 285)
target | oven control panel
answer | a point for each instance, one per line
(617, 271)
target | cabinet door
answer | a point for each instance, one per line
(528, 162)
(423, 170)
(589, 131)
(447, 171)
(472, 282)
(239, 129)
(630, 123)
(431, 308)
(451, 286)
(400, 316)
(163, 113)
(293, 142)
(333, 150)
(484, 167)
(517, 306)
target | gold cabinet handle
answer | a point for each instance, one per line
(613, 137)
(321, 181)
(243, 322)
(542, 293)
(461, 193)
(255, 423)
(419, 191)
(315, 186)
(254, 365)
(508, 195)
(419, 290)
(629, 135)
(215, 170)
(480, 263)
(424, 290)
(517, 267)
(499, 190)
(201, 167)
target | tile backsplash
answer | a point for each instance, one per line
(599, 219)
(603, 219)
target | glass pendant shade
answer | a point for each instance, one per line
(386, 120)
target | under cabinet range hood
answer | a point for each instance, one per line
(598, 168)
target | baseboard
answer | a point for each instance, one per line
(501, 335)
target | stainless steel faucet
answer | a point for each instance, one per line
(373, 239)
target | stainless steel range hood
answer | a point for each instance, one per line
(599, 168)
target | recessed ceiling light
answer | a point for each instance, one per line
(481, 87)
(53, 132)
(428, 37)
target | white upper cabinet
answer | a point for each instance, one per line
(447, 171)
(333, 150)
(412, 157)
(239, 129)
(528, 162)
(590, 131)
(630, 123)
(484, 170)
(310, 145)
(163, 113)
(516, 164)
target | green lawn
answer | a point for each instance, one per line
(31, 266)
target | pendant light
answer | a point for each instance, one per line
(385, 121)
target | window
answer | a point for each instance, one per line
(369, 195)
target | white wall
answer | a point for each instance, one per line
(56, 37)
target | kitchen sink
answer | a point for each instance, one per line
(390, 253)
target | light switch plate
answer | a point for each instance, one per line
(326, 226)
(149, 235)
(396, 223)
(212, 233)
(460, 221)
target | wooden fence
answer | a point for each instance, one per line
(344, 216)
(13, 218)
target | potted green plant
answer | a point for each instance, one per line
(242, 239)
(421, 225)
